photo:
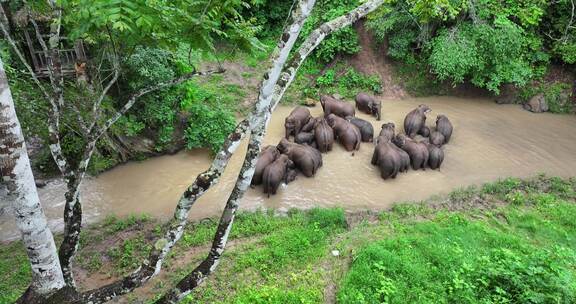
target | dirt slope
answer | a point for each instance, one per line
(372, 59)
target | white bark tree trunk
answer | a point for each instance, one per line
(21, 191)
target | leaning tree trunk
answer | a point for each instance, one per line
(257, 123)
(275, 83)
(21, 191)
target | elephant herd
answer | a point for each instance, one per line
(393, 153)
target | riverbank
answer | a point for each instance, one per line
(490, 141)
(509, 240)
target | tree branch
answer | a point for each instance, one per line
(267, 102)
(152, 266)
(132, 99)
(258, 122)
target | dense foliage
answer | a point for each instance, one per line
(487, 42)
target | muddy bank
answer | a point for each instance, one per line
(490, 141)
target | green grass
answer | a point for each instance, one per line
(512, 241)
(524, 252)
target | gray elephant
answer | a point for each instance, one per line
(347, 133)
(386, 158)
(324, 135)
(437, 139)
(387, 134)
(297, 119)
(275, 174)
(444, 126)
(417, 151)
(305, 138)
(424, 131)
(305, 158)
(366, 128)
(267, 156)
(415, 120)
(435, 156)
(369, 105)
(333, 106)
(309, 127)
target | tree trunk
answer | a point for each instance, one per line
(21, 192)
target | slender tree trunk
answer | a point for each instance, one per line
(18, 179)
(258, 122)
(272, 89)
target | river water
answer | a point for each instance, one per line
(490, 141)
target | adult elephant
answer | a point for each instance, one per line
(417, 151)
(267, 156)
(297, 119)
(324, 135)
(444, 126)
(365, 127)
(415, 120)
(386, 158)
(275, 174)
(369, 105)
(305, 158)
(387, 133)
(347, 133)
(331, 105)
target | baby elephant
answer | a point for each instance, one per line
(296, 121)
(347, 133)
(324, 135)
(369, 105)
(417, 151)
(437, 139)
(444, 126)
(304, 138)
(366, 128)
(333, 106)
(305, 158)
(435, 156)
(415, 120)
(275, 174)
(424, 131)
(267, 156)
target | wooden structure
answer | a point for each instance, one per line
(69, 56)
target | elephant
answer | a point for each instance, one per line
(387, 159)
(435, 156)
(347, 133)
(424, 131)
(309, 127)
(267, 156)
(297, 119)
(437, 139)
(304, 138)
(333, 106)
(291, 174)
(388, 130)
(324, 135)
(415, 120)
(305, 158)
(444, 126)
(417, 151)
(369, 105)
(275, 174)
(386, 135)
(366, 128)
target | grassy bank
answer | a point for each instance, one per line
(513, 241)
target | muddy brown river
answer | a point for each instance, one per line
(490, 141)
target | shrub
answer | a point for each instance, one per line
(557, 95)
(208, 126)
